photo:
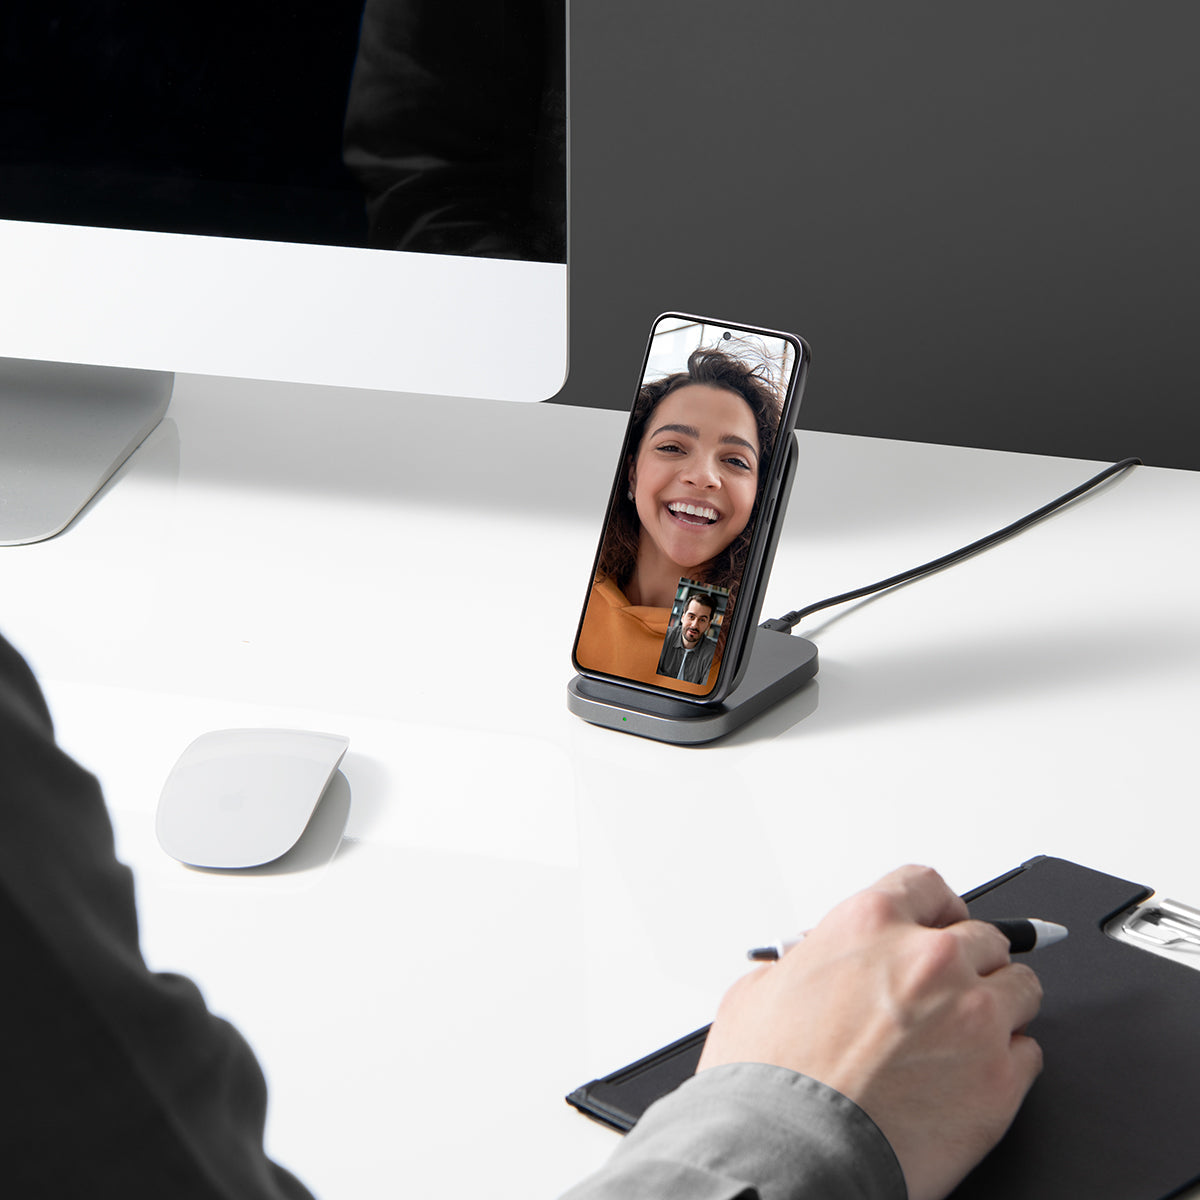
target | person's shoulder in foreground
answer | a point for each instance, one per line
(119, 1080)
(881, 1058)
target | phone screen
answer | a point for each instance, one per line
(676, 573)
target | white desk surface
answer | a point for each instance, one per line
(522, 901)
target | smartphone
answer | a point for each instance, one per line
(677, 580)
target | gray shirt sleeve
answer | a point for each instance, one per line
(748, 1131)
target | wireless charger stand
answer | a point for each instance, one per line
(778, 664)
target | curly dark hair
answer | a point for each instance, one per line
(618, 555)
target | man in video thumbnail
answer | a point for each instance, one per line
(687, 649)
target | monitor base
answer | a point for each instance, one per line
(779, 664)
(64, 430)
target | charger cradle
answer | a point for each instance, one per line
(780, 663)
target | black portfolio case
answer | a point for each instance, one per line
(1115, 1114)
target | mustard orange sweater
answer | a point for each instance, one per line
(623, 639)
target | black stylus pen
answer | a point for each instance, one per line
(1023, 933)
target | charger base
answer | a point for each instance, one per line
(779, 664)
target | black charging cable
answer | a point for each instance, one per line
(789, 621)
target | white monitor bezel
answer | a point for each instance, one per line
(443, 325)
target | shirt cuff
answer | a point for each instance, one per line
(786, 1136)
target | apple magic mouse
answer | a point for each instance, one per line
(243, 797)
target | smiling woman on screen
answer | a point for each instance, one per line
(700, 439)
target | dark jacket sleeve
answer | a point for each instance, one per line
(118, 1080)
(748, 1131)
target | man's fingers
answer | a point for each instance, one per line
(1019, 991)
(1027, 1060)
(923, 896)
(985, 947)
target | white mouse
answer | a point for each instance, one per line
(242, 797)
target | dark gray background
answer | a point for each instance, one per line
(985, 219)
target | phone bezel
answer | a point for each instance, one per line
(745, 611)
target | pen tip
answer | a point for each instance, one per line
(1049, 932)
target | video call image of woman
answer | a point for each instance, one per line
(701, 436)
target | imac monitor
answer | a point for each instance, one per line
(366, 193)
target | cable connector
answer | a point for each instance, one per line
(776, 623)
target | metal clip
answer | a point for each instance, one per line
(1166, 924)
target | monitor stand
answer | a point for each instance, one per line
(64, 429)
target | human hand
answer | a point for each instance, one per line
(914, 1012)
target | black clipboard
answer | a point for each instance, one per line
(1115, 1114)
